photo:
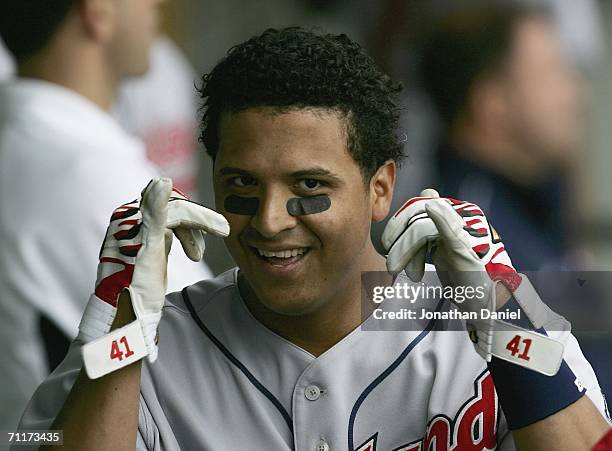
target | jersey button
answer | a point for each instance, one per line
(322, 446)
(312, 393)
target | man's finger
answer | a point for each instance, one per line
(192, 242)
(450, 226)
(410, 244)
(429, 192)
(168, 242)
(188, 214)
(402, 218)
(154, 203)
(415, 268)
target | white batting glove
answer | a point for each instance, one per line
(134, 258)
(467, 251)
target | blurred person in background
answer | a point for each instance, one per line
(65, 164)
(513, 125)
(396, 40)
(160, 108)
(512, 116)
(7, 65)
(165, 119)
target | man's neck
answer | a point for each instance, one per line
(320, 330)
(81, 70)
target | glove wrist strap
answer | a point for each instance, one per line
(122, 347)
(97, 319)
(115, 350)
(523, 342)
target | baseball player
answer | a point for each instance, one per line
(274, 354)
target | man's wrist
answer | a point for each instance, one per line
(125, 312)
(527, 396)
(502, 295)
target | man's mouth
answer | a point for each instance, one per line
(281, 258)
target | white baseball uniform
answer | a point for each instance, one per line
(65, 165)
(223, 381)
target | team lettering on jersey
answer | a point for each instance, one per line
(473, 429)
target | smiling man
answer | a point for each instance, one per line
(270, 355)
(293, 266)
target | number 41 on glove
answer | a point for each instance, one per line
(114, 351)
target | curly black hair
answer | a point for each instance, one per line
(294, 68)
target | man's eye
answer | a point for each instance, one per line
(242, 181)
(311, 184)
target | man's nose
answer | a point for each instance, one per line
(272, 216)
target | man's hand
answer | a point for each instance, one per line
(462, 237)
(467, 251)
(134, 258)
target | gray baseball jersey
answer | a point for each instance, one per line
(223, 381)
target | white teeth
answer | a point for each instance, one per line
(282, 254)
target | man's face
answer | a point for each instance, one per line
(135, 29)
(276, 157)
(544, 94)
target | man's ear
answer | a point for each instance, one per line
(99, 18)
(381, 190)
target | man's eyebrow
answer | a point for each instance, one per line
(233, 171)
(302, 173)
(316, 172)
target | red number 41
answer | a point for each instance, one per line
(116, 352)
(513, 347)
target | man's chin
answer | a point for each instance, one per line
(287, 303)
(282, 297)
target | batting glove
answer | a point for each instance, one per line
(467, 251)
(134, 258)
